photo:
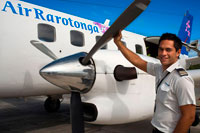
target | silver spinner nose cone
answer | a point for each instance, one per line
(68, 73)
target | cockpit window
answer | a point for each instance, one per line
(46, 32)
(77, 38)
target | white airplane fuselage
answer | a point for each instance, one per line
(20, 62)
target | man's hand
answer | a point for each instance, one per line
(128, 54)
(118, 37)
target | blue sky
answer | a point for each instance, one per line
(160, 16)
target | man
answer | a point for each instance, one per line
(175, 99)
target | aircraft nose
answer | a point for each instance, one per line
(68, 73)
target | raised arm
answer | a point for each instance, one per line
(129, 55)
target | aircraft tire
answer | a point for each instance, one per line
(51, 105)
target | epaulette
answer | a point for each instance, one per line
(181, 72)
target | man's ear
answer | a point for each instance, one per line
(178, 52)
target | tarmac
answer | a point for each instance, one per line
(19, 115)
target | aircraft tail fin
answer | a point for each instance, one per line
(185, 31)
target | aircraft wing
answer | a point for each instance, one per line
(152, 39)
(192, 61)
(195, 74)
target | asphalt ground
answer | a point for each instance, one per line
(18, 115)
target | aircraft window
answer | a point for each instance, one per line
(46, 32)
(138, 49)
(77, 38)
(97, 39)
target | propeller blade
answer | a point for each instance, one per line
(131, 13)
(40, 46)
(76, 113)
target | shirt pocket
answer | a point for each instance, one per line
(165, 87)
(163, 93)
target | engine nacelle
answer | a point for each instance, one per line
(118, 102)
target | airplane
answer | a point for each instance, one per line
(47, 52)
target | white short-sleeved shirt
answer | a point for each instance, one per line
(174, 91)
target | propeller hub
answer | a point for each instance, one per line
(68, 73)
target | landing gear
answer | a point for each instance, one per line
(52, 104)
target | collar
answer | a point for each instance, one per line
(173, 66)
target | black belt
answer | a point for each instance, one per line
(155, 130)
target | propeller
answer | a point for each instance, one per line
(78, 77)
(76, 113)
(69, 74)
(76, 107)
(131, 13)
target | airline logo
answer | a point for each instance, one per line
(185, 31)
(19, 9)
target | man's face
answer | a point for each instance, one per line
(167, 53)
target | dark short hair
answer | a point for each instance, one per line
(173, 37)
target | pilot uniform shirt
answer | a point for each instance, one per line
(174, 91)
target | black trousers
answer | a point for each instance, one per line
(155, 130)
